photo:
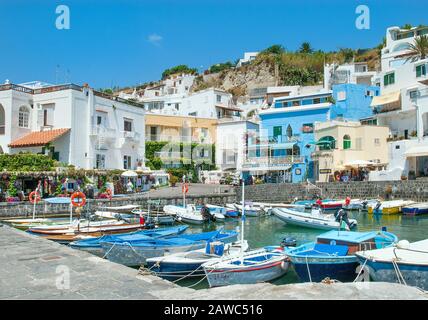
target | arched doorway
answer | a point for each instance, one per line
(346, 142)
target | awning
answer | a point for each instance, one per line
(129, 174)
(421, 151)
(229, 108)
(358, 163)
(38, 138)
(386, 99)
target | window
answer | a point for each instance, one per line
(218, 98)
(341, 95)
(99, 120)
(289, 131)
(358, 143)
(308, 128)
(127, 162)
(127, 125)
(100, 161)
(23, 118)
(389, 79)
(2, 120)
(346, 142)
(317, 100)
(377, 142)
(177, 106)
(277, 131)
(421, 70)
(194, 114)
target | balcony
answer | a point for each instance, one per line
(177, 138)
(272, 163)
(107, 134)
(275, 141)
(2, 130)
(131, 136)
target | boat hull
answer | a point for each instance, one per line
(414, 275)
(338, 269)
(264, 273)
(415, 211)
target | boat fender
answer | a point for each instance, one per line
(284, 265)
(403, 244)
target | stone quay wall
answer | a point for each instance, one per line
(25, 209)
(416, 190)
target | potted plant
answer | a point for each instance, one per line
(173, 181)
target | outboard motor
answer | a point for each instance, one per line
(288, 242)
(364, 204)
(206, 214)
(342, 215)
(377, 207)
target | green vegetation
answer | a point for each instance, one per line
(26, 162)
(220, 67)
(187, 166)
(419, 49)
(306, 48)
(182, 68)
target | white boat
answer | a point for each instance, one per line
(122, 209)
(190, 214)
(76, 223)
(250, 267)
(250, 209)
(315, 219)
(188, 264)
(406, 263)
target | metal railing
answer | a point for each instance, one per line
(176, 138)
(272, 161)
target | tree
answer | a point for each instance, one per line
(276, 49)
(220, 67)
(347, 53)
(306, 48)
(182, 68)
(407, 26)
(419, 49)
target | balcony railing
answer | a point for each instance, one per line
(2, 130)
(131, 135)
(177, 138)
(273, 140)
(255, 162)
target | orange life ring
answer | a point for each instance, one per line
(185, 188)
(78, 199)
(34, 197)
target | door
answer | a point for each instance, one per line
(277, 132)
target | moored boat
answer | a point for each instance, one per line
(260, 265)
(388, 207)
(405, 263)
(135, 253)
(188, 264)
(93, 245)
(416, 208)
(315, 219)
(333, 254)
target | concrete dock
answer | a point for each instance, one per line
(35, 268)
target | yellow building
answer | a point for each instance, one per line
(173, 128)
(346, 146)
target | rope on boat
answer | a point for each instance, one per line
(309, 271)
(398, 273)
(359, 272)
(108, 251)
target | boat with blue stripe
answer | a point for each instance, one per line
(405, 263)
(333, 254)
(93, 245)
(134, 253)
(416, 209)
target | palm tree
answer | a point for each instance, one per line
(419, 49)
(305, 48)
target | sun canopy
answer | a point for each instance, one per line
(386, 99)
(129, 174)
(417, 151)
(358, 163)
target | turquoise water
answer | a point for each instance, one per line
(269, 230)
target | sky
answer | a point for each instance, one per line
(128, 42)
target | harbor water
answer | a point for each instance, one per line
(269, 230)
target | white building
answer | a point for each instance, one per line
(403, 104)
(355, 73)
(248, 57)
(75, 124)
(230, 143)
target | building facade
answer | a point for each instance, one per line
(75, 124)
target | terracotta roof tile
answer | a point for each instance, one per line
(38, 138)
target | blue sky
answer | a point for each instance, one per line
(129, 42)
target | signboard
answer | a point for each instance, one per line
(325, 171)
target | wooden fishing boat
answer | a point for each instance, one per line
(405, 263)
(120, 209)
(333, 254)
(389, 207)
(250, 267)
(92, 244)
(315, 219)
(135, 253)
(90, 230)
(188, 264)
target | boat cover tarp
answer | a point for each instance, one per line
(321, 249)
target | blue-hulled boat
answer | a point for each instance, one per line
(188, 264)
(417, 208)
(134, 253)
(93, 245)
(333, 254)
(405, 263)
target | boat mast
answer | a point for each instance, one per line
(243, 212)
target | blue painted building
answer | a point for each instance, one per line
(286, 140)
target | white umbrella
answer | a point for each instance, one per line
(129, 174)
